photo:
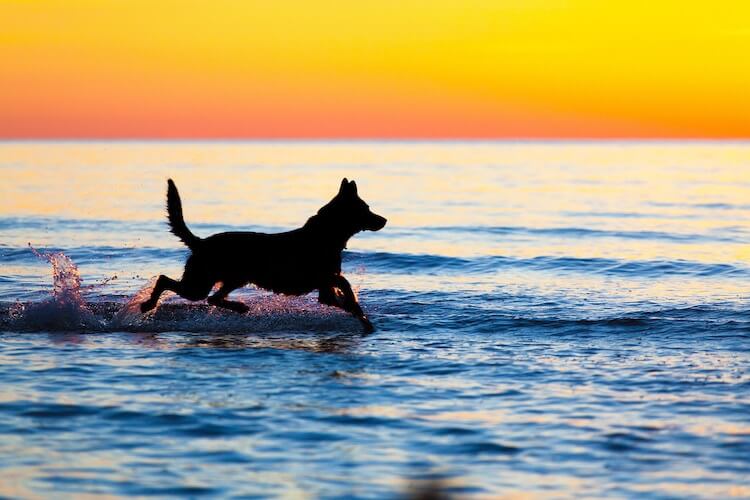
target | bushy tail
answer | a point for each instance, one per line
(174, 214)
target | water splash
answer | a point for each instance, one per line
(97, 286)
(268, 313)
(66, 309)
(130, 315)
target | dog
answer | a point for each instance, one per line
(292, 263)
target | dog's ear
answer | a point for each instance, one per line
(353, 187)
(344, 186)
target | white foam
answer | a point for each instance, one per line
(65, 309)
(130, 315)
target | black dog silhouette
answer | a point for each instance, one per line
(293, 263)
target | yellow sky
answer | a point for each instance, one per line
(286, 68)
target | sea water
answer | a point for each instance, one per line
(554, 319)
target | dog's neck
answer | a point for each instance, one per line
(328, 232)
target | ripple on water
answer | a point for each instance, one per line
(560, 320)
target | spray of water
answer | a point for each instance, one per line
(66, 309)
(130, 314)
(65, 275)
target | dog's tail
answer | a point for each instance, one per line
(174, 214)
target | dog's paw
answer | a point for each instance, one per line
(146, 306)
(366, 325)
(242, 308)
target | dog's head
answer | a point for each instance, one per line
(351, 210)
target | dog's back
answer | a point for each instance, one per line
(293, 262)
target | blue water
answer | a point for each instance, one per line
(555, 320)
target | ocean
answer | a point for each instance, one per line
(553, 320)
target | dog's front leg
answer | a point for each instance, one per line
(349, 302)
(331, 296)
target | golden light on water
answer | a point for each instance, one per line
(556, 315)
(264, 187)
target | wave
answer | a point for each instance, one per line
(267, 315)
(46, 224)
(95, 253)
(579, 232)
(270, 314)
(67, 310)
(404, 263)
(706, 206)
(118, 226)
(421, 263)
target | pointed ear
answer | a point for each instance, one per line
(353, 187)
(343, 187)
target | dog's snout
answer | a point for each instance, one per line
(377, 223)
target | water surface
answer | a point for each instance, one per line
(554, 320)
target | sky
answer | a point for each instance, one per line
(374, 69)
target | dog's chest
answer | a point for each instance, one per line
(325, 260)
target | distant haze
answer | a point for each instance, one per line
(385, 69)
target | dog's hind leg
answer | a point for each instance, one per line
(219, 299)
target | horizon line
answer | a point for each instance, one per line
(374, 139)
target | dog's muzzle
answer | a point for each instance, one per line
(376, 223)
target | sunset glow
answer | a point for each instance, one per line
(387, 69)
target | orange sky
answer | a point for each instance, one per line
(395, 69)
